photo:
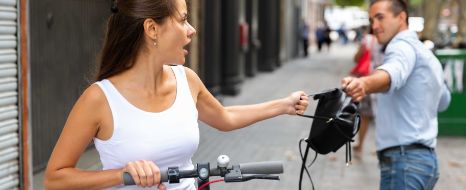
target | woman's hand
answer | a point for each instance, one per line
(297, 103)
(144, 173)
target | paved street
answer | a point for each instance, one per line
(277, 138)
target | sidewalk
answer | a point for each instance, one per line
(277, 138)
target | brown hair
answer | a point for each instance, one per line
(125, 32)
(397, 7)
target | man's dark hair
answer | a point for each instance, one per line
(398, 6)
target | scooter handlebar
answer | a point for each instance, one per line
(269, 167)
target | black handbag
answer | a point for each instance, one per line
(335, 123)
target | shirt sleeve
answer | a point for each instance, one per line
(445, 99)
(399, 61)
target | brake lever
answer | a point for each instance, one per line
(243, 178)
(269, 177)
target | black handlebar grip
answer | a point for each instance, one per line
(128, 180)
(163, 175)
(271, 167)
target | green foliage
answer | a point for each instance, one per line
(415, 2)
(349, 2)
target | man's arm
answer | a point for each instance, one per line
(399, 62)
(444, 99)
(357, 88)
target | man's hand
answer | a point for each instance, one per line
(354, 87)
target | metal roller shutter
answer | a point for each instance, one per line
(9, 128)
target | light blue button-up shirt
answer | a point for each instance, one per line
(407, 112)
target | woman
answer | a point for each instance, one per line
(142, 113)
(367, 105)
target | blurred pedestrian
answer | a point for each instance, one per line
(360, 33)
(143, 111)
(342, 34)
(323, 36)
(305, 37)
(320, 36)
(327, 39)
(412, 91)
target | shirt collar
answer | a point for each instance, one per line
(405, 34)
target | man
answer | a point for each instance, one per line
(305, 37)
(412, 93)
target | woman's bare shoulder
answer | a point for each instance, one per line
(93, 98)
(192, 77)
(190, 73)
(93, 94)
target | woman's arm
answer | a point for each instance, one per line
(81, 126)
(234, 117)
(86, 121)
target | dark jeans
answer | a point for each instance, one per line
(305, 46)
(319, 45)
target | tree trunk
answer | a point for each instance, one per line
(461, 36)
(431, 13)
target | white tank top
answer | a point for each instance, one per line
(168, 138)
